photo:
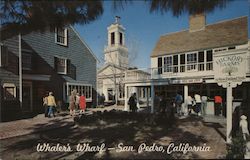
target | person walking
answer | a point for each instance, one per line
(190, 103)
(178, 102)
(163, 103)
(203, 105)
(197, 98)
(157, 103)
(77, 101)
(82, 103)
(132, 103)
(45, 104)
(51, 104)
(217, 105)
(72, 103)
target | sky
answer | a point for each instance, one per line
(143, 29)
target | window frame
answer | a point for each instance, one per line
(87, 89)
(9, 85)
(29, 55)
(193, 63)
(168, 68)
(65, 67)
(64, 36)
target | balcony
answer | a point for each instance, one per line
(181, 70)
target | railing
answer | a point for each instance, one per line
(173, 70)
(192, 67)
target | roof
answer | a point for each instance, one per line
(84, 43)
(225, 33)
(110, 65)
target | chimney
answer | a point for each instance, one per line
(197, 22)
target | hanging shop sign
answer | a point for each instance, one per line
(230, 68)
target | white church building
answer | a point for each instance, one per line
(111, 76)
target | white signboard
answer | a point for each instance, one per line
(230, 68)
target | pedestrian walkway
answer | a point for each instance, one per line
(32, 125)
(39, 123)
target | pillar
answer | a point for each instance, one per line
(229, 113)
(152, 98)
(126, 107)
(138, 97)
(185, 92)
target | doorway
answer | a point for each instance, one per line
(27, 97)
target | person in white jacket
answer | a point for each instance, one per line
(197, 98)
(244, 126)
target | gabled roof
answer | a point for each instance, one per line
(84, 43)
(110, 65)
(225, 33)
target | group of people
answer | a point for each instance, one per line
(77, 101)
(192, 104)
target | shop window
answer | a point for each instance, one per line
(9, 91)
(61, 36)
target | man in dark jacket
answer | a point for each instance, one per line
(132, 103)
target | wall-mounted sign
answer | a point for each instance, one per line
(230, 68)
(185, 81)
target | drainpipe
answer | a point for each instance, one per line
(20, 70)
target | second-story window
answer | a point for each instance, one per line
(61, 36)
(209, 65)
(168, 62)
(61, 65)
(191, 61)
(26, 61)
(3, 56)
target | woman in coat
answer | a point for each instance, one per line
(82, 103)
(72, 102)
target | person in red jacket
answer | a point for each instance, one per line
(217, 105)
(82, 103)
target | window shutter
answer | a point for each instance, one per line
(68, 66)
(4, 56)
(55, 63)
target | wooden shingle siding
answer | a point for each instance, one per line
(79, 55)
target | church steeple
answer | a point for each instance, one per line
(116, 51)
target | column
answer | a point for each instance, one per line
(152, 97)
(229, 112)
(126, 108)
(185, 92)
(147, 96)
(138, 97)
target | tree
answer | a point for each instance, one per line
(32, 15)
(26, 16)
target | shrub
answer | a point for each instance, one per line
(237, 149)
